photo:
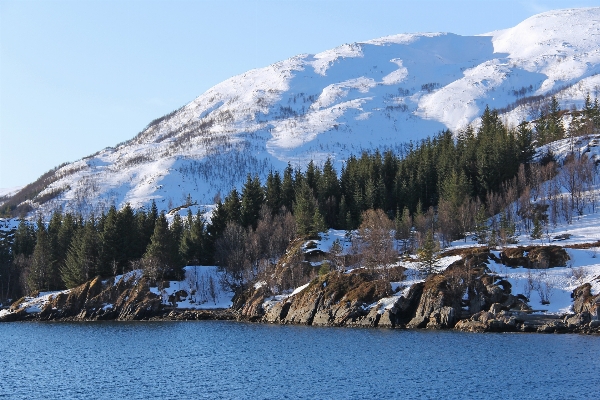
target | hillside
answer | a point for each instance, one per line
(375, 94)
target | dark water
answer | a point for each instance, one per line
(228, 360)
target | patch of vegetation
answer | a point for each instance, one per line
(354, 287)
(14, 207)
(51, 194)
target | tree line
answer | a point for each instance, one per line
(483, 181)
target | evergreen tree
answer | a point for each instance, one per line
(128, 236)
(455, 188)
(177, 237)
(57, 253)
(482, 229)
(328, 194)
(403, 225)
(304, 210)
(318, 223)
(188, 244)
(507, 234)
(61, 244)
(541, 129)
(524, 143)
(232, 207)
(202, 253)
(555, 127)
(252, 200)
(215, 229)
(158, 261)
(274, 192)
(288, 193)
(538, 230)
(82, 259)
(41, 263)
(428, 255)
(312, 177)
(142, 237)
(342, 212)
(110, 250)
(24, 242)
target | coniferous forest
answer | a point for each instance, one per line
(484, 182)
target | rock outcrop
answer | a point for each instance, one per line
(535, 256)
(125, 299)
(335, 299)
(465, 297)
(439, 307)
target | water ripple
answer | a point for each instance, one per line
(227, 360)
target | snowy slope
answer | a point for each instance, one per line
(375, 94)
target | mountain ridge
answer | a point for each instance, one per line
(369, 95)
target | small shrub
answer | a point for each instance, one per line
(325, 268)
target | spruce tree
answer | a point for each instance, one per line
(252, 200)
(328, 194)
(525, 143)
(538, 229)
(288, 193)
(142, 238)
(312, 176)
(232, 207)
(304, 210)
(57, 253)
(555, 127)
(41, 262)
(82, 259)
(343, 210)
(176, 229)
(427, 255)
(403, 226)
(24, 241)
(215, 229)
(318, 223)
(110, 250)
(127, 233)
(187, 246)
(274, 192)
(482, 229)
(158, 261)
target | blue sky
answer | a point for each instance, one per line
(78, 76)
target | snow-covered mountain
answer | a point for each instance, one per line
(375, 94)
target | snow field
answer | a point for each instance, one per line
(355, 97)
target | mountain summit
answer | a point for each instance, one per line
(362, 96)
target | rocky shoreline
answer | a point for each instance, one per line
(465, 297)
(482, 322)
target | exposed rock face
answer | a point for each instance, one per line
(465, 297)
(336, 299)
(536, 257)
(586, 307)
(438, 308)
(509, 321)
(584, 301)
(94, 300)
(438, 303)
(251, 307)
(404, 309)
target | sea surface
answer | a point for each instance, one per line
(232, 360)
